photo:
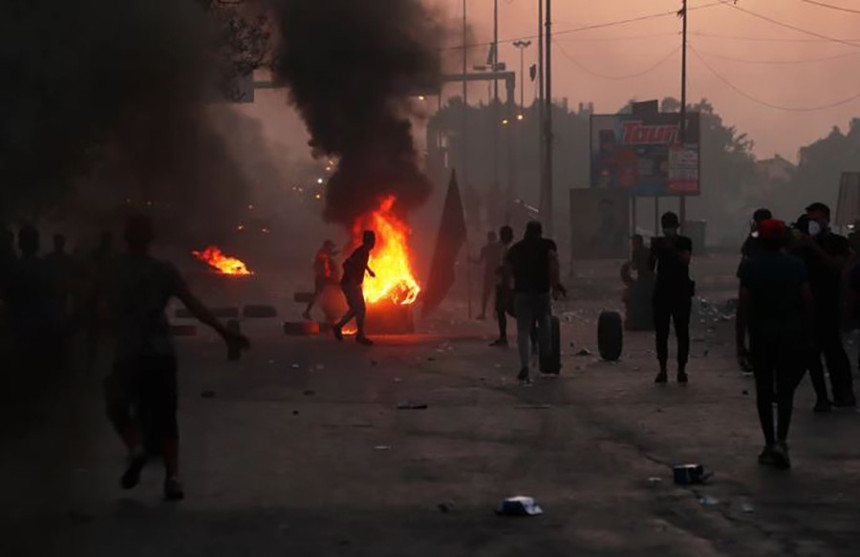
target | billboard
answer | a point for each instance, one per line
(642, 154)
(599, 223)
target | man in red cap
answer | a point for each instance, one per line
(775, 304)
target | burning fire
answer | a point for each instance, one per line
(390, 258)
(221, 263)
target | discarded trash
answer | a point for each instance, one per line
(584, 352)
(533, 406)
(431, 359)
(295, 412)
(519, 506)
(382, 448)
(374, 363)
(655, 480)
(747, 508)
(409, 405)
(208, 393)
(398, 380)
(637, 368)
(294, 366)
(271, 362)
(310, 392)
(690, 474)
(319, 367)
(708, 501)
(745, 392)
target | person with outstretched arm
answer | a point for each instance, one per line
(141, 391)
(354, 269)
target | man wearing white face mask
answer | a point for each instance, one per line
(825, 255)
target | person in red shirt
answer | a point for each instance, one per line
(325, 273)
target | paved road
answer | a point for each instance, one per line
(302, 451)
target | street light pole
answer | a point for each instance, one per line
(495, 68)
(547, 201)
(683, 127)
(464, 150)
(522, 45)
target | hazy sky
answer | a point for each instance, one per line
(720, 34)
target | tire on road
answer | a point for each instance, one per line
(610, 335)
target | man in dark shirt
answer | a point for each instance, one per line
(673, 293)
(354, 270)
(775, 305)
(490, 258)
(325, 273)
(825, 255)
(534, 265)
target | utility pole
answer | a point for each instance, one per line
(496, 119)
(683, 127)
(522, 45)
(464, 150)
(540, 101)
(546, 207)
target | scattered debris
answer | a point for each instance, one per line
(294, 366)
(519, 506)
(747, 508)
(319, 367)
(533, 406)
(745, 392)
(690, 474)
(208, 393)
(431, 359)
(409, 405)
(707, 501)
(295, 412)
(655, 480)
(382, 448)
(445, 507)
(584, 352)
(397, 380)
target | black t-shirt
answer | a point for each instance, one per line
(673, 273)
(355, 267)
(775, 282)
(529, 263)
(826, 283)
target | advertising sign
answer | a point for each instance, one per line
(643, 155)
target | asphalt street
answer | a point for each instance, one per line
(300, 449)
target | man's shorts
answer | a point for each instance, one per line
(143, 391)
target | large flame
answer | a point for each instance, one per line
(390, 258)
(222, 263)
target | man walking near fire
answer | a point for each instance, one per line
(504, 292)
(354, 270)
(325, 273)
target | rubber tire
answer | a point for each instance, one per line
(551, 363)
(610, 335)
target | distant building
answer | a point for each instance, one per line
(776, 169)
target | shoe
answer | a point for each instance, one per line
(683, 377)
(822, 407)
(766, 457)
(173, 489)
(845, 403)
(780, 456)
(499, 342)
(523, 377)
(131, 477)
(662, 377)
(337, 330)
(364, 340)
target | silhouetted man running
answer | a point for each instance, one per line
(490, 257)
(141, 389)
(354, 270)
(504, 287)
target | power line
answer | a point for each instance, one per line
(587, 70)
(781, 62)
(786, 25)
(619, 38)
(831, 6)
(659, 15)
(757, 100)
(766, 39)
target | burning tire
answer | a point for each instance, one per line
(610, 335)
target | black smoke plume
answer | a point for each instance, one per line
(109, 103)
(351, 67)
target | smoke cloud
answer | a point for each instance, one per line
(351, 67)
(109, 103)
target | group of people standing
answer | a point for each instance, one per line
(799, 288)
